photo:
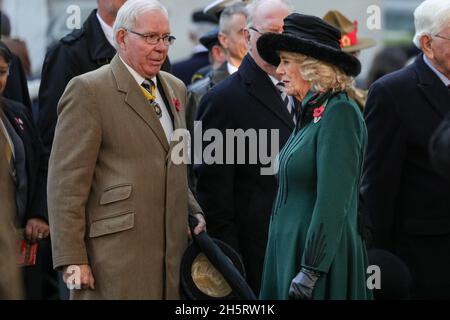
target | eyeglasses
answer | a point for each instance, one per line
(153, 38)
(268, 31)
(442, 37)
(254, 29)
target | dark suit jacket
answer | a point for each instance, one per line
(237, 199)
(404, 199)
(440, 148)
(185, 69)
(27, 131)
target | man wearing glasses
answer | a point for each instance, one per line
(117, 203)
(404, 198)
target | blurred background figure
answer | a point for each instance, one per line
(30, 193)
(216, 55)
(352, 44)
(17, 46)
(201, 24)
(16, 87)
(231, 35)
(388, 60)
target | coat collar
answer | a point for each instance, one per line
(100, 50)
(220, 74)
(136, 100)
(432, 87)
(262, 88)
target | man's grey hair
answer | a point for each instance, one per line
(228, 13)
(430, 17)
(253, 5)
(131, 10)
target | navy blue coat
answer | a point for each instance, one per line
(237, 199)
(185, 69)
(405, 201)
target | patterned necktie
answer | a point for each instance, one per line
(287, 103)
(149, 90)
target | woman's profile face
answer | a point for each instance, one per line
(289, 71)
(4, 72)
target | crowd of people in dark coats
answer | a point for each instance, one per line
(397, 158)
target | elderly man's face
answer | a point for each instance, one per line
(144, 58)
(268, 17)
(440, 51)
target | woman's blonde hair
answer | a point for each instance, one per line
(323, 76)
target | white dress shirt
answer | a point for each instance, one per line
(107, 30)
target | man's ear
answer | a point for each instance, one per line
(120, 38)
(222, 37)
(247, 36)
(425, 45)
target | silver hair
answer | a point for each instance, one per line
(131, 10)
(253, 5)
(430, 17)
(228, 13)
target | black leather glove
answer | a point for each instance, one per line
(303, 284)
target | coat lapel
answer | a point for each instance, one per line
(172, 99)
(136, 100)
(261, 87)
(432, 87)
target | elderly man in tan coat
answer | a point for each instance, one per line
(10, 281)
(118, 203)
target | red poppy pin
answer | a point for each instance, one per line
(317, 113)
(20, 123)
(176, 102)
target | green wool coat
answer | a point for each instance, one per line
(314, 218)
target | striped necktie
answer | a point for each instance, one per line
(149, 90)
(287, 103)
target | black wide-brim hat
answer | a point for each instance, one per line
(212, 270)
(310, 36)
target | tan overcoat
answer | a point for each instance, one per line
(116, 200)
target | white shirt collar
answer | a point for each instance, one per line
(231, 69)
(274, 80)
(107, 30)
(441, 76)
(139, 79)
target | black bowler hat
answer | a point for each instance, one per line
(310, 36)
(210, 39)
(212, 270)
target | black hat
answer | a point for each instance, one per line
(211, 269)
(200, 16)
(396, 280)
(201, 280)
(210, 38)
(311, 36)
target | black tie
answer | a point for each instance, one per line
(289, 106)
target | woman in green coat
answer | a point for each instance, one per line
(315, 250)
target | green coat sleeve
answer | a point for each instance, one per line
(339, 153)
